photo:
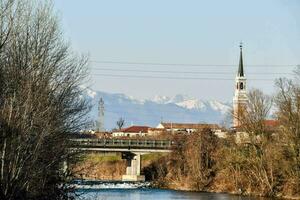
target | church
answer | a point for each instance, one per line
(240, 96)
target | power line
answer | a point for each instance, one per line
(185, 64)
(173, 78)
(182, 72)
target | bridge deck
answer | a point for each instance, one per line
(123, 145)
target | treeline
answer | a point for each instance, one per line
(265, 161)
(40, 101)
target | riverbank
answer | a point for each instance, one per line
(217, 185)
(95, 166)
(108, 166)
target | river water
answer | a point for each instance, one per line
(142, 191)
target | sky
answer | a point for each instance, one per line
(167, 47)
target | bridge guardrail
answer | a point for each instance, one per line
(121, 143)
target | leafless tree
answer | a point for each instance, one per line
(120, 123)
(40, 101)
(255, 113)
(288, 113)
(250, 162)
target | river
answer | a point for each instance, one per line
(142, 191)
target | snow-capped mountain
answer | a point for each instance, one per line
(192, 103)
(179, 108)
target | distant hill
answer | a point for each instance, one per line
(151, 111)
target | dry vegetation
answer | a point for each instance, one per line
(40, 101)
(97, 166)
(94, 166)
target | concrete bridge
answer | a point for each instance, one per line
(131, 151)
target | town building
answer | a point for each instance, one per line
(132, 131)
(271, 127)
(185, 128)
(240, 99)
(271, 124)
(155, 131)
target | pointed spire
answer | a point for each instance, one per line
(241, 67)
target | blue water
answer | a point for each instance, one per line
(141, 191)
(152, 194)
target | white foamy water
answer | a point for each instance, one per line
(78, 184)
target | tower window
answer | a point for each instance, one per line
(241, 86)
(237, 86)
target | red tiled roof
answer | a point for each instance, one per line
(271, 122)
(135, 129)
(188, 126)
(268, 122)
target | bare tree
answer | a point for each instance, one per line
(40, 101)
(250, 162)
(255, 113)
(120, 123)
(288, 113)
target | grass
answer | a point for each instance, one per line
(153, 156)
(95, 158)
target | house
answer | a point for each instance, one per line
(271, 126)
(185, 127)
(132, 131)
(155, 131)
(220, 133)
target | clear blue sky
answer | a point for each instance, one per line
(186, 31)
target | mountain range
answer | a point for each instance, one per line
(151, 112)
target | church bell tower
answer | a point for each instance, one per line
(240, 96)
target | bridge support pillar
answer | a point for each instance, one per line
(133, 169)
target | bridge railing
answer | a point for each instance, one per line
(121, 143)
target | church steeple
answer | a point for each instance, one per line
(240, 97)
(241, 65)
